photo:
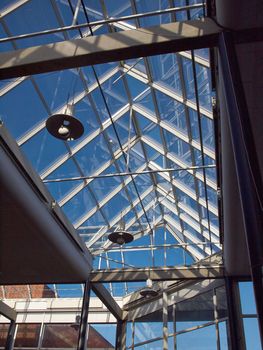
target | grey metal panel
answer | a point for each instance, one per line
(36, 246)
(14, 151)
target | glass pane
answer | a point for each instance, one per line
(221, 302)
(148, 327)
(223, 336)
(195, 311)
(252, 333)
(102, 336)
(156, 345)
(200, 339)
(27, 335)
(60, 336)
(247, 298)
(3, 334)
(129, 334)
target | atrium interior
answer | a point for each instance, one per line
(131, 174)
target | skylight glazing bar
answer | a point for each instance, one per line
(11, 8)
(189, 130)
(91, 24)
(192, 213)
(97, 251)
(114, 127)
(185, 189)
(196, 255)
(139, 133)
(196, 144)
(81, 145)
(126, 148)
(74, 100)
(179, 162)
(89, 188)
(187, 234)
(165, 149)
(104, 167)
(135, 73)
(117, 218)
(132, 221)
(105, 200)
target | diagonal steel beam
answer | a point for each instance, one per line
(103, 294)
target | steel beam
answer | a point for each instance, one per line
(7, 311)
(82, 340)
(166, 38)
(246, 163)
(157, 274)
(103, 294)
(10, 336)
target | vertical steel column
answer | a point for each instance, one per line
(246, 163)
(82, 341)
(121, 335)
(165, 317)
(174, 326)
(235, 326)
(10, 336)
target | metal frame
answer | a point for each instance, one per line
(157, 274)
(246, 163)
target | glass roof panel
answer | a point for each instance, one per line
(161, 110)
(60, 189)
(31, 109)
(165, 70)
(43, 149)
(33, 16)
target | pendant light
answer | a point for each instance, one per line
(148, 291)
(121, 236)
(65, 126)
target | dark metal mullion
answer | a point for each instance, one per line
(10, 336)
(202, 149)
(153, 177)
(190, 136)
(98, 118)
(138, 131)
(117, 166)
(108, 267)
(164, 144)
(201, 137)
(117, 136)
(85, 182)
(189, 130)
(82, 340)
(161, 132)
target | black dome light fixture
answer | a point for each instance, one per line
(65, 126)
(148, 291)
(121, 236)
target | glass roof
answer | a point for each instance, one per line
(141, 116)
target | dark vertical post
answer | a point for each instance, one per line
(165, 317)
(235, 326)
(246, 163)
(82, 341)
(121, 335)
(10, 336)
